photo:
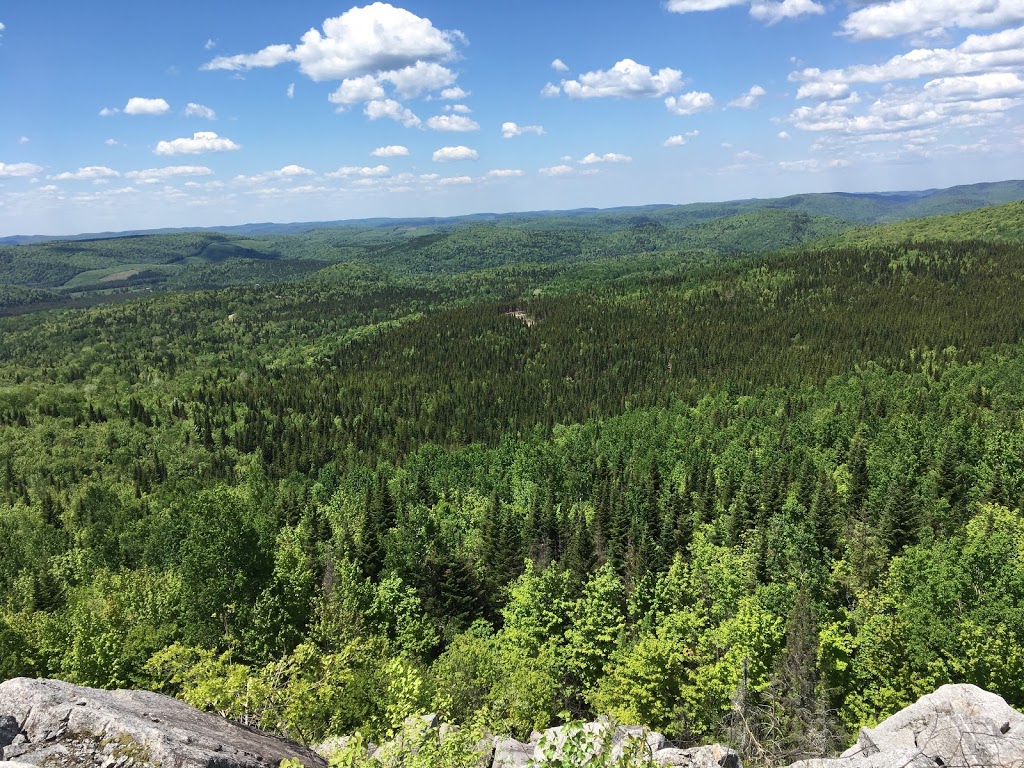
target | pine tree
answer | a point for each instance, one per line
(898, 523)
(580, 558)
(824, 514)
(857, 464)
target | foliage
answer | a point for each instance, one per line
(577, 744)
(995, 224)
(765, 500)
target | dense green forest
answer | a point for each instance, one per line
(757, 479)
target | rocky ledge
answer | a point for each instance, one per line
(57, 725)
(958, 726)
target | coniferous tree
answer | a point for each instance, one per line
(898, 522)
(857, 464)
(825, 517)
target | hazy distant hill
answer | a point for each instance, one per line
(71, 271)
(864, 208)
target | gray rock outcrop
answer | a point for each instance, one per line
(52, 723)
(59, 725)
(957, 726)
(509, 753)
(708, 756)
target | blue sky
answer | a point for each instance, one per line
(121, 115)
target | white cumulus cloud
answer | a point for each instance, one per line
(421, 77)
(823, 91)
(504, 173)
(391, 109)
(968, 86)
(394, 150)
(290, 92)
(559, 66)
(690, 103)
(511, 130)
(930, 17)
(201, 141)
(108, 111)
(294, 170)
(363, 40)
(198, 110)
(453, 94)
(977, 53)
(11, 170)
(627, 79)
(448, 154)
(962, 101)
(356, 90)
(24, 140)
(456, 180)
(140, 106)
(991, 85)
(750, 99)
(452, 123)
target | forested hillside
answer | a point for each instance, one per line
(710, 479)
(108, 269)
(1002, 223)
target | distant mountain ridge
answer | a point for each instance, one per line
(861, 208)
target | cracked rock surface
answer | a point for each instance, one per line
(59, 725)
(957, 726)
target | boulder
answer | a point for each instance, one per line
(58, 724)
(509, 753)
(957, 726)
(907, 758)
(708, 756)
